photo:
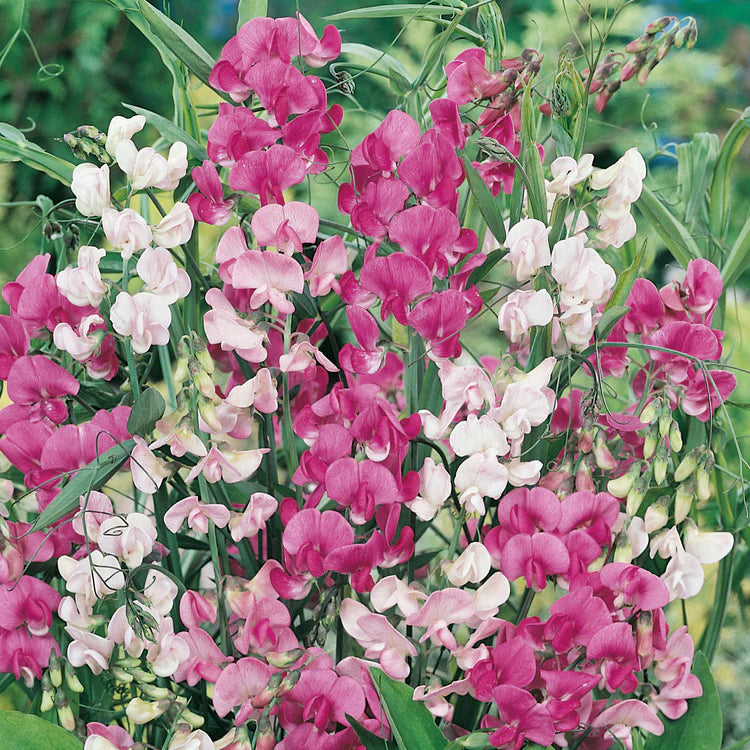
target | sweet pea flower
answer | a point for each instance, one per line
(302, 356)
(83, 284)
(684, 575)
(434, 490)
(285, 227)
(225, 327)
(238, 685)
(147, 469)
(479, 476)
(330, 260)
(441, 610)
(162, 276)
(581, 273)
(708, 546)
(92, 577)
(393, 592)
(122, 129)
(228, 465)
(471, 566)
(144, 318)
(147, 168)
(130, 538)
(78, 343)
(246, 525)
(90, 185)
(89, 649)
(175, 228)
(567, 172)
(523, 310)
(528, 247)
(478, 435)
(259, 392)
(127, 230)
(271, 276)
(197, 514)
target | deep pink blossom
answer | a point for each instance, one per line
(14, 343)
(519, 718)
(209, 205)
(360, 486)
(268, 173)
(238, 684)
(236, 131)
(270, 275)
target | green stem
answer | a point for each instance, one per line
(166, 372)
(130, 358)
(288, 439)
(224, 643)
(523, 610)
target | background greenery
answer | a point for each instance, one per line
(77, 61)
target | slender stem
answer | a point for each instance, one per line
(166, 372)
(288, 439)
(132, 372)
(222, 611)
(523, 610)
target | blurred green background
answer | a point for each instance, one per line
(82, 59)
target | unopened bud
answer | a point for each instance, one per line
(639, 45)
(141, 712)
(120, 674)
(48, 694)
(604, 458)
(644, 635)
(660, 463)
(675, 437)
(128, 662)
(201, 353)
(702, 484)
(656, 515)
(648, 414)
(143, 676)
(210, 417)
(64, 713)
(659, 25)
(688, 464)
(665, 422)
(194, 720)
(620, 486)
(623, 548)
(650, 441)
(265, 696)
(265, 739)
(71, 679)
(636, 494)
(289, 682)
(153, 691)
(683, 500)
(55, 670)
(284, 659)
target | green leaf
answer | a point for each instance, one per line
(625, 281)
(492, 27)
(249, 9)
(718, 206)
(531, 160)
(170, 131)
(695, 165)
(366, 737)
(671, 231)
(736, 261)
(15, 147)
(473, 741)
(700, 727)
(178, 42)
(610, 317)
(375, 58)
(147, 410)
(492, 260)
(19, 730)
(411, 722)
(486, 202)
(91, 477)
(561, 137)
(414, 10)
(399, 83)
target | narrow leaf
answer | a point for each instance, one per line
(249, 9)
(610, 317)
(531, 160)
(366, 737)
(412, 724)
(170, 131)
(91, 477)
(374, 58)
(671, 231)
(19, 730)
(399, 83)
(147, 410)
(625, 282)
(178, 41)
(414, 10)
(486, 202)
(700, 728)
(695, 165)
(482, 271)
(15, 147)
(718, 206)
(737, 260)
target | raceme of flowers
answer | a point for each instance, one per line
(310, 506)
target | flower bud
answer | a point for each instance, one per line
(289, 682)
(649, 412)
(623, 548)
(702, 484)
(64, 713)
(264, 736)
(71, 679)
(48, 694)
(660, 464)
(650, 442)
(688, 464)
(683, 500)
(604, 458)
(208, 414)
(153, 691)
(55, 670)
(128, 662)
(141, 712)
(120, 674)
(641, 44)
(665, 422)
(201, 353)
(659, 25)
(621, 486)
(656, 515)
(675, 437)
(285, 659)
(143, 676)
(265, 696)
(194, 720)
(636, 494)
(644, 635)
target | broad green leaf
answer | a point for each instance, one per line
(375, 58)
(700, 727)
(170, 131)
(473, 741)
(671, 231)
(178, 42)
(399, 83)
(486, 202)
(531, 160)
(561, 137)
(366, 737)
(28, 732)
(492, 260)
(91, 477)
(737, 260)
(147, 410)
(695, 165)
(15, 147)
(249, 9)
(415, 10)
(625, 282)
(412, 724)
(610, 317)
(718, 206)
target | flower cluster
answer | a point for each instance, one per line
(245, 489)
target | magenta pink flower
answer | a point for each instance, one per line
(330, 260)
(534, 557)
(271, 276)
(395, 137)
(510, 663)
(697, 295)
(235, 132)
(205, 661)
(209, 205)
(368, 357)
(197, 514)
(360, 486)
(268, 173)
(238, 684)
(519, 718)
(438, 320)
(24, 655)
(14, 343)
(285, 227)
(469, 79)
(28, 602)
(615, 646)
(372, 210)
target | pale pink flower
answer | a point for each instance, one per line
(161, 592)
(96, 508)
(227, 464)
(127, 230)
(90, 185)
(270, 275)
(528, 247)
(147, 168)
(197, 514)
(393, 592)
(78, 343)
(488, 598)
(176, 430)
(580, 271)
(83, 285)
(478, 435)
(708, 546)
(143, 317)
(441, 610)
(684, 575)
(479, 476)
(330, 260)
(621, 717)
(225, 327)
(471, 566)
(302, 355)
(238, 685)
(578, 324)
(92, 577)
(434, 490)
(122, 129)
(162, 276)
(147, 469)
(120, 631)
(89, 649)
(378, 637)
(175, 228)
(246, 525)
(523, 310)
(259, 392)
(523, 473)
(166, 655)
(567, 172)
(624, 178)
(185, 739)
(285, 227)
(130, 538)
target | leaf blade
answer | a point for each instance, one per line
(486, 202)
(170, 131)
(20, 730)
(249, 9)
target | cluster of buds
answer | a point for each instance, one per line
(86, 141)
(647, 51)
(55, 695)
(195, 369)
(694, 476)
(160, 701)
(662, 436)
